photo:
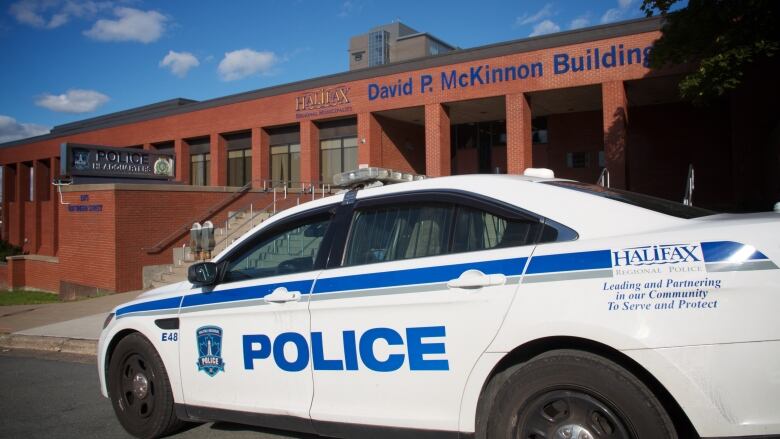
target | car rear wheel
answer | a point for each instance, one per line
(139, 389)
(576, 395)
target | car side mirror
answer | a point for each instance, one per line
(202, 273)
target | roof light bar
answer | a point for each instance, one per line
(371, 175)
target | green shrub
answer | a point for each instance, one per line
(8, 249)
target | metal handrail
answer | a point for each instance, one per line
(603, 178)
(167, 240)
(688, 196)
(270, 207)
(305, 187)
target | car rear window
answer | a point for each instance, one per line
(644, 201)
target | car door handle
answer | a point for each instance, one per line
(281, 295)
(473, 279)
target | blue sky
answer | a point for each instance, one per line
(67, 60)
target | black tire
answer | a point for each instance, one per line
(144, 411)
(564, 393)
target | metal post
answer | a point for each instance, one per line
(688, 197)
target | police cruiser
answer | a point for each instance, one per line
(479, 306)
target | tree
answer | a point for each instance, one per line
(725, 40)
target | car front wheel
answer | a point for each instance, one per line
(139, 389)
(576, 395)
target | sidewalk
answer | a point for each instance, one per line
(72, 327)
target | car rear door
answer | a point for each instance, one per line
(399, 319)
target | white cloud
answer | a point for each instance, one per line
(544, 27)
(579, 22)
(245, 62)
(346, 8)
(545, 12)
(11, 130)
(619, 13)
(73, 101)
(179, 63)
(51, 14)
(612, 15)
(131, 25)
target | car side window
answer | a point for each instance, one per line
(398, 232)
(477, 229)
(291, 250)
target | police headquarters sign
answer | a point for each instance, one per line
(103, 161)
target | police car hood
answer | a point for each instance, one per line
(165, 290)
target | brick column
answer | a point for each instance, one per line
(261, 156)
(35, 222)
(437, 141)
(54, 196)
(615, 113)
(369, 140)
(519, 143)
(182, 152)
(8, 176)
(310, 151)
(219, 162)
(22, 189)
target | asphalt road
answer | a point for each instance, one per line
(58, 396)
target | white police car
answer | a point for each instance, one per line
(468, 306)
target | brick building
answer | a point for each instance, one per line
(575, 102)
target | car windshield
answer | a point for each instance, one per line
(644, 201)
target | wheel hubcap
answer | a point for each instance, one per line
(137, 386)
(572, 431)
(568, 414)
(140, 385)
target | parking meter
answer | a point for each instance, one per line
(207, 238)
(195, 240)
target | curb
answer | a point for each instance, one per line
(50, 344)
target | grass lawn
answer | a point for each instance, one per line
(24, 297)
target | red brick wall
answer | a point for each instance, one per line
(403, 145)
(106, 249)
(88, 241)
(4, 280)
(28, 273)
(572, 132)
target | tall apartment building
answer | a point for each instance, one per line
(390, 43)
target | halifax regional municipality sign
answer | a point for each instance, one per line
(106, 162)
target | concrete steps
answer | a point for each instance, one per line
(239, 224)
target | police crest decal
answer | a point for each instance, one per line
(209, 340)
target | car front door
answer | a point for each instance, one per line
(418, 294)
(244, 343)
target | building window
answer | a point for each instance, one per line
(378, 48)
(200, 165)
(539, 129)
(578, 160)
(239, 167)
(31, 183)
(337, 156)
(285, 164)
(358, 56)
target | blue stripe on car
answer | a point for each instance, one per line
(152, 305)
(717, 251)
(591, 260)
(416, 276)
(722, 251)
